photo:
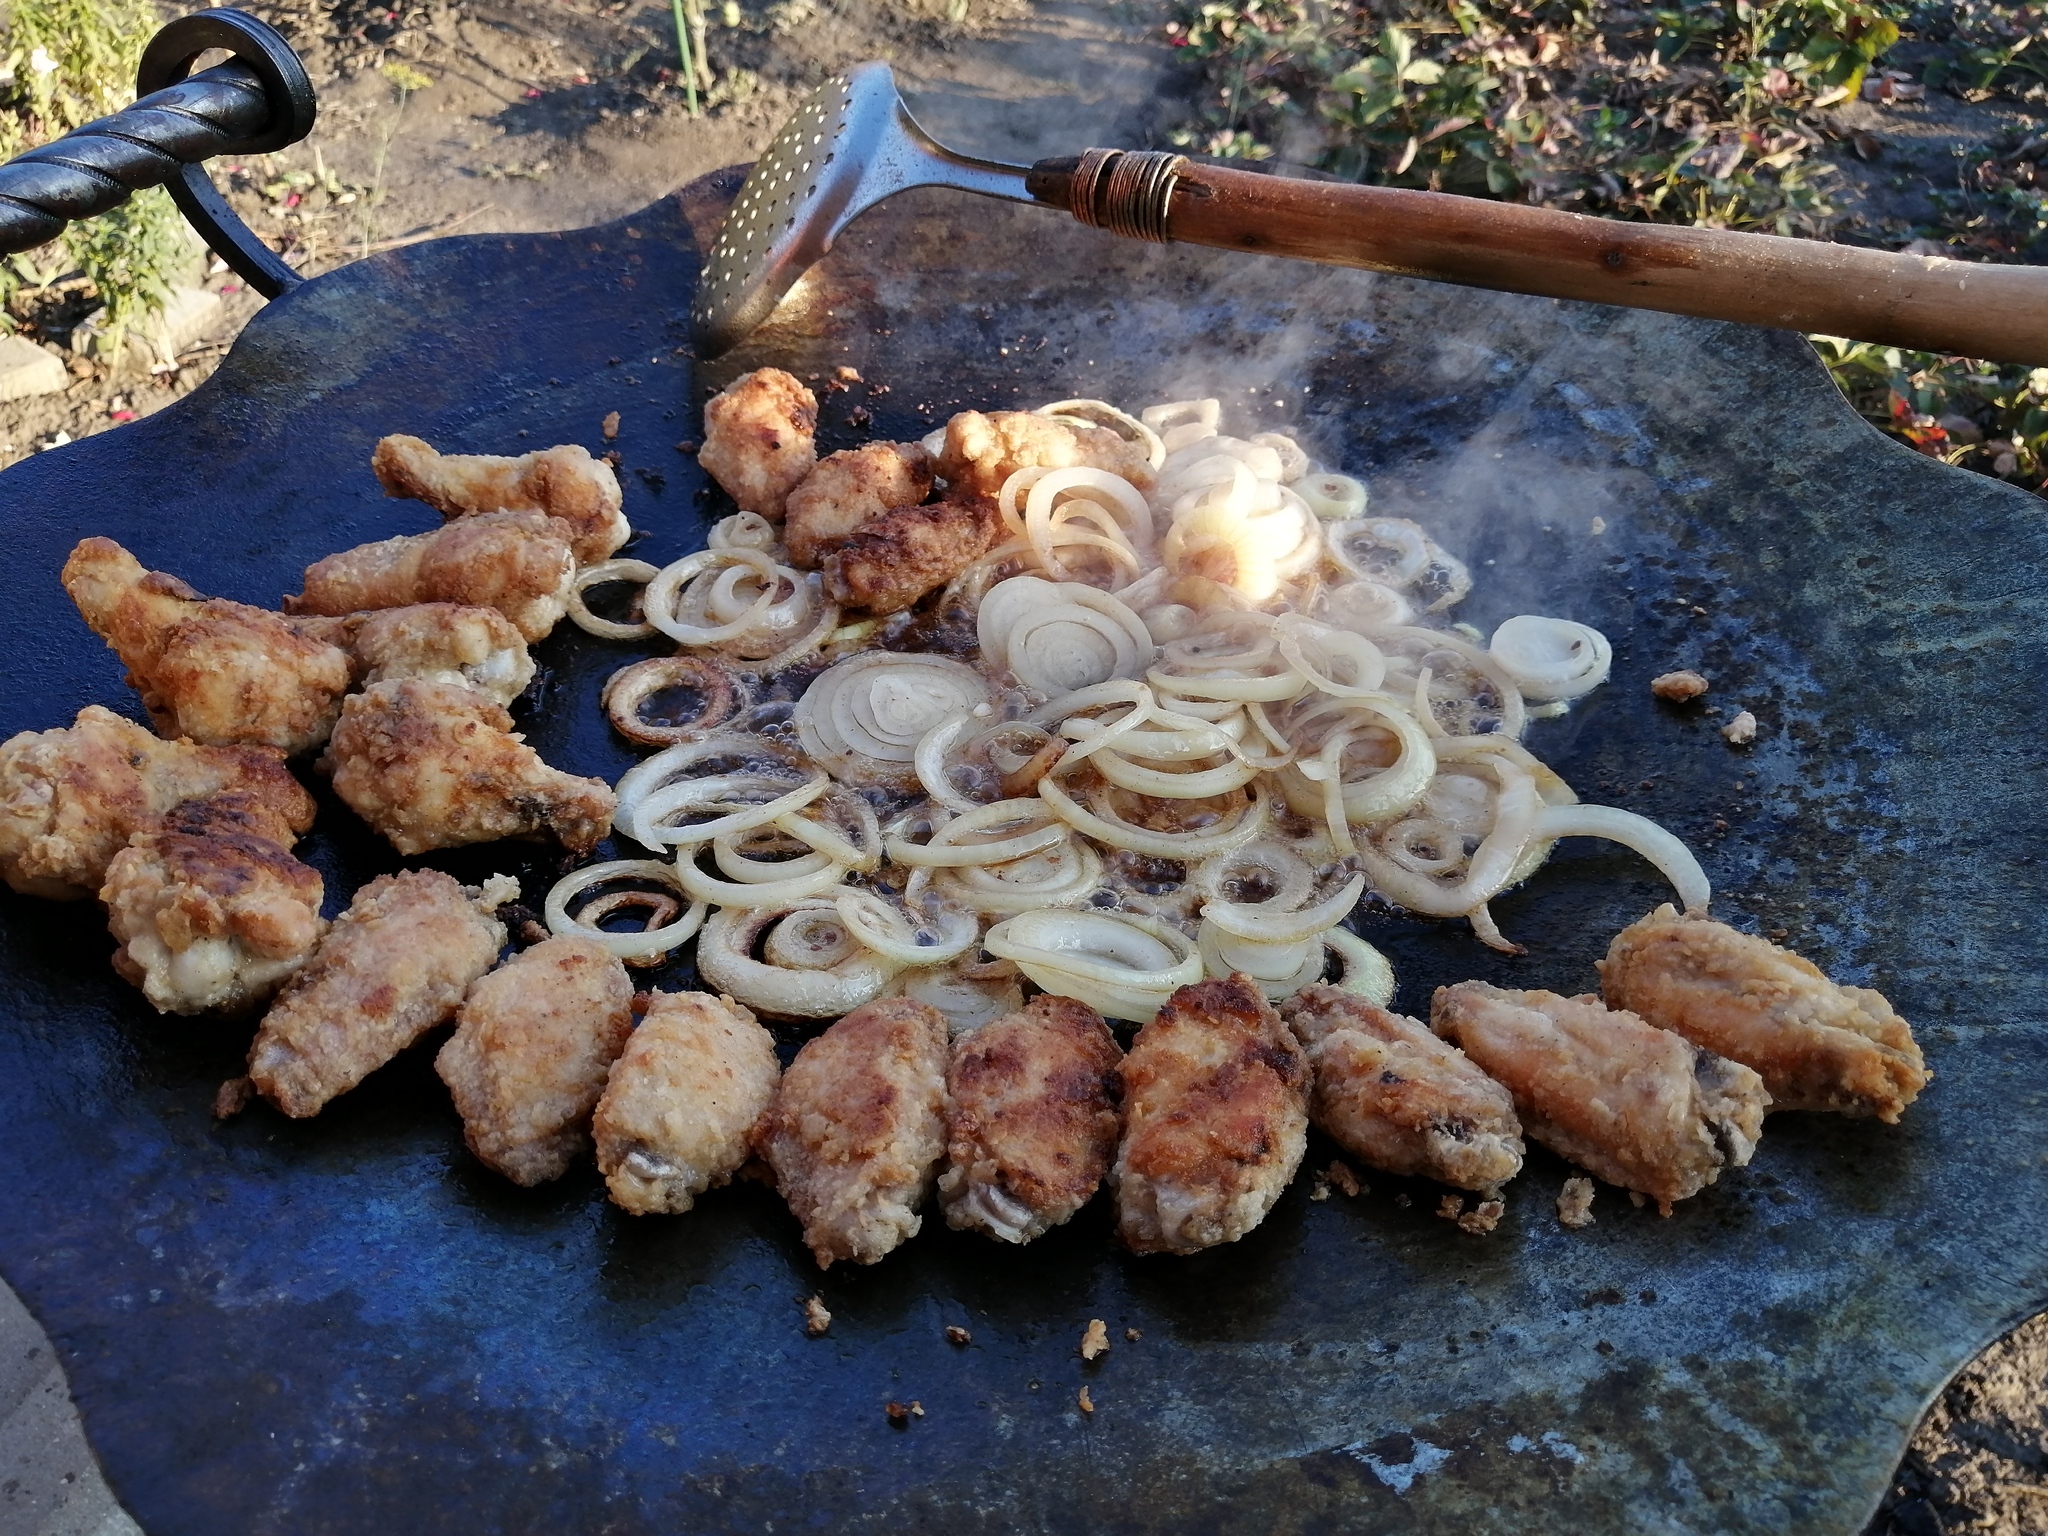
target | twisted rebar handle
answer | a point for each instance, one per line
(260, 100)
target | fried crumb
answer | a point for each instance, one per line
(1740, 731)
(899, 1413)
(1451, 1207)
(1575, 1203)
(916, 1409)
(1320, 1190)
(1344, 1179)
(1483, 1217)
(846, 375)
(611, 425)
(687, 445)
(1678, 687)
(1087, 1403)
(1599, 525)
(1095, 1342)
(955, 1334)
(1132, 1335)
(1637, 1199)
(233, 1098)
(816, 1319)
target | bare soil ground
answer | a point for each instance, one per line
(552, 114)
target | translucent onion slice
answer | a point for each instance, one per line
(1100, 413)
(1366, 971)
(663, 595)
(1262, 923)
(743, 893)
(1125, 967)
(1061, 876)
(725, 959)
(966, 995)
(751, 753)
(1673, 859)
(604, 574)
(1128, 505)
(743, 530)
(1491, 866)
(889, 931)
(1186, 846)
(627, 946)
(1335, 660)
(1174, 784)
(1172, 414)
(1294, 462)
(1552, 658)
(1014, 829)
(632, 686)
(1364, 606)
(1333, 498)
(1281, 970)
(733, 798)
(863, 717)
(1057, 637)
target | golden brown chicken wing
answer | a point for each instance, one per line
(892, 560)
(1031, 1120)
(564, 482)
(219, 673)
(532, 1045)
(982, 451)
(432, 765)
(1215, 1119)
(678, 1115)
(393, 966)
(516, 562)
(1393, 1094)
(1633, 1104)
(1815, 1044)
(70, 799)
(442, 642)
(211, 911)
(846, 490)
(760, 439)
(858, 1127)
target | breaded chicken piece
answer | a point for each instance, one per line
(1630, 1103)
(393, 966)
(1394, 1095)
(892, 560)
(1031, 1120)
(1815, 1044)
(565, 483)
(857, 1129)
(846, 490)
(982, 451)
(433, 765)
(533, 1043)
(70, 799)
(216, 672)
(519, 563)
(678, 1115)
(1215, 1119)
(442, 642)
(211, 911)
(760, 436)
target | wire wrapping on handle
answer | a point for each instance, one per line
(1126, 191)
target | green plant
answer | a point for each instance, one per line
(1989, 417)
(405, 80)
(63, 63)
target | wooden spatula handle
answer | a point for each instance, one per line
(1926, 302)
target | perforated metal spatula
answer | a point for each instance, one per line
(855, 143)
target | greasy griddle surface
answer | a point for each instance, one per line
(347, 1325)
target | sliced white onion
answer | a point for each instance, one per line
(863, 717)
(967, 995)
(892, 933)
(1061, 636)
(603, 574)
(725, 959)
(1125, 967)
(1333, 498)
(1673, 859)
(1100, 413)
(1552, 658)
(627, 946)
(1365, 606)
(1366, 971)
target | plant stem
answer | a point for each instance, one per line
(699, 43)
(689, 66)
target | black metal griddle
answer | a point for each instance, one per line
(347, 1325)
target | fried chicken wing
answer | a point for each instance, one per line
(857, 1129)
(760, 439)
(1633, 1104)
(678, 1115)
(71, 798)
(219, 673)
(1815, 1044)
(533, 1043)
(1031, 1119)
(474, 648)
(565, 483)
(432, 765)
(1399, 1098)
(519, 563)
(212, 912)
(393, 966)
(891, 561)
(846, 490)
(1215, 1119)
(982, 451)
